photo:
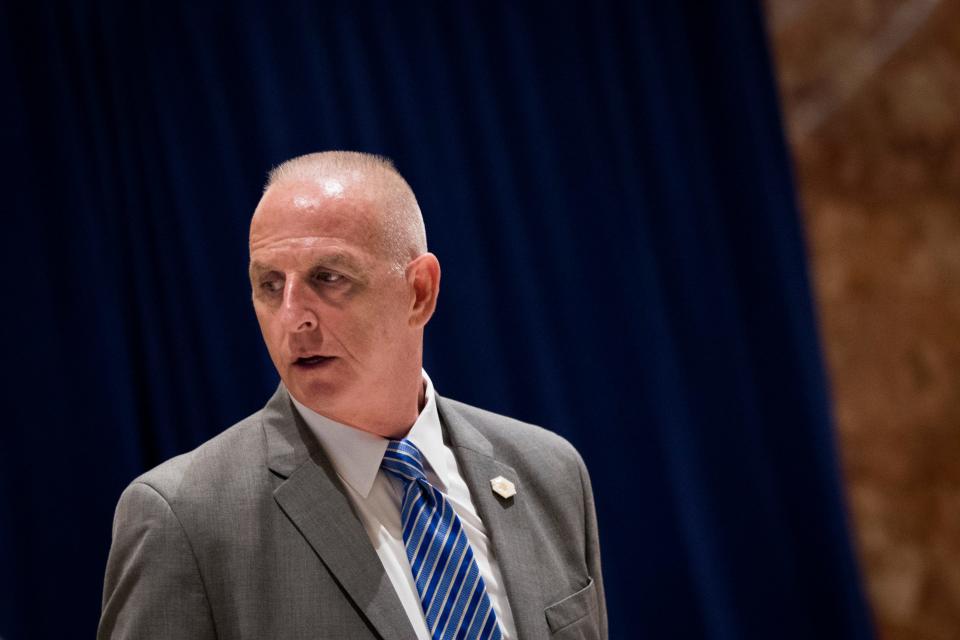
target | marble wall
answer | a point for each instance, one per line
(871, 97)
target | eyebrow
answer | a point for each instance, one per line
(339, 260)
(332, 260)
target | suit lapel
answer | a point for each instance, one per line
(508, 522)
(314, 500)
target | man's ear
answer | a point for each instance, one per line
(423, 276)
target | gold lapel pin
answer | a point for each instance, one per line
(503, 487)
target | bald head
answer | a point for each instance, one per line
(369, 177)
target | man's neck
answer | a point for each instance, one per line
(393, 427)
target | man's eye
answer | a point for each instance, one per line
(271, 286)
(329, 277)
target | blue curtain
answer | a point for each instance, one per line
(607, 189)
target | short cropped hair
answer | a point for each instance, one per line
(404, 233)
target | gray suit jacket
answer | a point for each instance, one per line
(252, 535)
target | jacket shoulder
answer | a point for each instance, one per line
(214, 468)
(515, 438)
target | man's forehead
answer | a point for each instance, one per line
(306, 213)
(307, 253)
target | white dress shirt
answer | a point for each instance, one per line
(377, 496)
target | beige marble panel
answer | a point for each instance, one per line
(871, 96)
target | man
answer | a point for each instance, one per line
(357, 503)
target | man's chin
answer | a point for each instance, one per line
(314, 386)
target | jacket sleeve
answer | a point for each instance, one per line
(593, 546)
(152, 587)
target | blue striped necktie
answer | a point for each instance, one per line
(452, 593)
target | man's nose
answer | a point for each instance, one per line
(297, 311)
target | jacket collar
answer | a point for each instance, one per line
(509, 522)
(313, 498)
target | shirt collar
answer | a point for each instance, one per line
(427, 434)
(356, 454)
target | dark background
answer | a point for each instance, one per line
(607, 189)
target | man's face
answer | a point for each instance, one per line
(335, 314)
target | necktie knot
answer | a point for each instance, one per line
(404, 460)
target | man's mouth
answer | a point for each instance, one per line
(312, 361)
